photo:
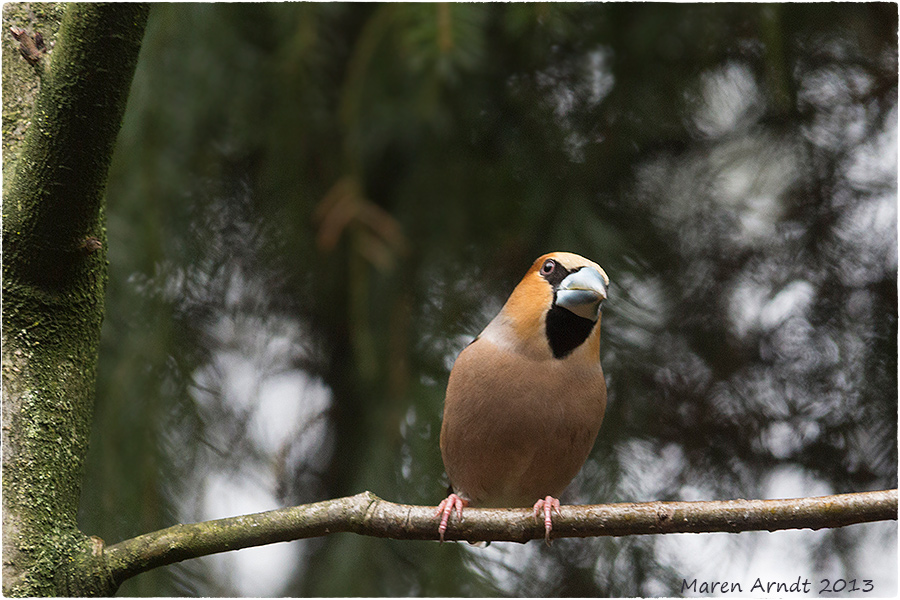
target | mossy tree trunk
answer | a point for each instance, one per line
(54, 279)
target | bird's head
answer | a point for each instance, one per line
(555, 309)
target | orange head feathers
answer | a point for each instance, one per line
(554, 308)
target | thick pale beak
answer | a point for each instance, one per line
(582, 293)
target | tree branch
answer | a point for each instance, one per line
(367, 514)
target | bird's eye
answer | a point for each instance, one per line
(548, 266)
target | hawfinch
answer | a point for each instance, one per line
(526, 398)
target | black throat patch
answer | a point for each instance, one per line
(566, 331)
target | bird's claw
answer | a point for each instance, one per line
(445, 509)
(546, 505)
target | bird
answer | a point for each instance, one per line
(526, 398)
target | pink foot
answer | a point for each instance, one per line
(546, 505)
(445, 509)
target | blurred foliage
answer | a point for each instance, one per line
(314, 207)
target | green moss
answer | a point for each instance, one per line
(53, 290)
(67, 564)
(20, 81)
(50, 377)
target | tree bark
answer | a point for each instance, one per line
(367, 514)
(54, 279)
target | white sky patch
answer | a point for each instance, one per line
(281, 407)
(646, 470)
(503, 562)
(253, 572)
(869, 233)
(753, 307)
(780, 557)
(287, 401)
(876, 160)
(640, 302)
(746, 302)
(781, 439)
(729, 99)
(793, 300)
(258, 413)
(754, 173)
